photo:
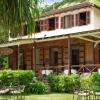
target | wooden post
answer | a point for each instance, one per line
(18, 57)
(93, 53)
(59, 23)
(34, 57)
(69, 55)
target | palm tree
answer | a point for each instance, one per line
(15, 13)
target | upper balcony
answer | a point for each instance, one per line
(74, 19)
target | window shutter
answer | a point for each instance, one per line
(62, 22)
(47, 24)
(71, 19)
(88, 17)
(44, 25)
(41, 25)
(56, 23)
(77, 20)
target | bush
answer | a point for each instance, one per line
(63, 83)
(37, 88)
(18, 77)
(91, 82)
(23, 77)
(71, 83)
(95, 82)
(85, 82)
(95, 79)
(54, 82)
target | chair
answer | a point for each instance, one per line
(3, 91)
(99, 70)
(17, 91)
(47, 72)
(75, 92)
(86, 74)
(73, 71)
(83, 94)
(65, 72)
(95, 92)
(97, 96)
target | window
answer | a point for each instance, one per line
(43, 25)
(51, 23)
(54, 56)
(69, 21)
(37, 27)
(83, 18)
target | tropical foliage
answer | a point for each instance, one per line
(37, 88)
(3, 62)
(17, 77)
(65, 3)
(63, 83)
(15, 13)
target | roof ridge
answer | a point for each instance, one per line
(68, 7)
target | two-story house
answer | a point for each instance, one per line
(66, 38)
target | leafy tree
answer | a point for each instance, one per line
(65, 3)
(15, 13)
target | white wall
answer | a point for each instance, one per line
(97, 18)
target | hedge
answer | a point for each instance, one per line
(68, 83)
(91, 82)
(63, 83)
(17, 77)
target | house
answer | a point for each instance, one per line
(65, 39)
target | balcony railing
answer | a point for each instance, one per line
(88, 68)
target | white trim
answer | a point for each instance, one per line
(96, 36)
(31, 40)
(83, 38)
(96, 43)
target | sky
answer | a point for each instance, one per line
(49, 2)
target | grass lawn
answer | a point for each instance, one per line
(53, 96)
(50, 97)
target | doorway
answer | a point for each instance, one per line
(75, 55)
(54, 56)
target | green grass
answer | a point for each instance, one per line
(53, 96)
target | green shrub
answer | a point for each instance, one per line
(37, 88)
(63, 83)
(95, 79)
(53, 81)
(91, 82)
(23, 77)
(85, 82)
(95, 82)
(4, 61)
(18, 77)
(71, 83)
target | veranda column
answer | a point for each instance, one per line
(18, 57)
(34, 56)
(59, 23)
(93, 53)
(69, 55)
